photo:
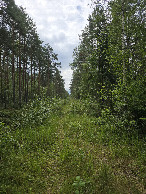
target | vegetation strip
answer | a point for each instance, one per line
(70, 152)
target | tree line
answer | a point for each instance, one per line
(28, 67)
(109, 63)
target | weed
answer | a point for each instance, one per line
(79, 184)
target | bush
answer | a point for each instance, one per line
(36, 112)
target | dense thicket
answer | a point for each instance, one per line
(27, 66)
(109, 63)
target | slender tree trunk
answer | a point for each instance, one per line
(23, 76)
(25, 94)
(23, 81)
(8, 80)
(39, 80)
(13, 70)
(13, 80)
(31, 76)
(19, 71)
(1, 75)
(48, 76)
(123, 44)
(34, 77)
(5, 82)
(24, 63)
(27, 77)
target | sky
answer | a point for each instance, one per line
(59, 22)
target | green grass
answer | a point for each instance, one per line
(70, 143)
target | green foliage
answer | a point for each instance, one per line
(88, 106)
(78, 184)
(108, 66)
(129, 102)
(27, 66)
(36, 112)
(49, 156)
(24, 147)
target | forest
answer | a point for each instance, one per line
(28, 67)
(91, 141)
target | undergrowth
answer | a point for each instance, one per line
(61, 146)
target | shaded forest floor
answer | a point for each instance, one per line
(71, 152)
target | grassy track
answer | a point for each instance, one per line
(71, 148)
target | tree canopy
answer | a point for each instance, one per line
(28, 67)
(109, 63)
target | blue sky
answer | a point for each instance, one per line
(59, 22)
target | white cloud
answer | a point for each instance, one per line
(58, 23)
(67, 74)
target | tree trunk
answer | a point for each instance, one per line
(1, 75)
(34, 77)
(39, 80)
(7, 70)
(19, 71)
(25, 88)
(123, 45)
(48, 76)
(24, 63)
(13, 70)
(31, 76)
